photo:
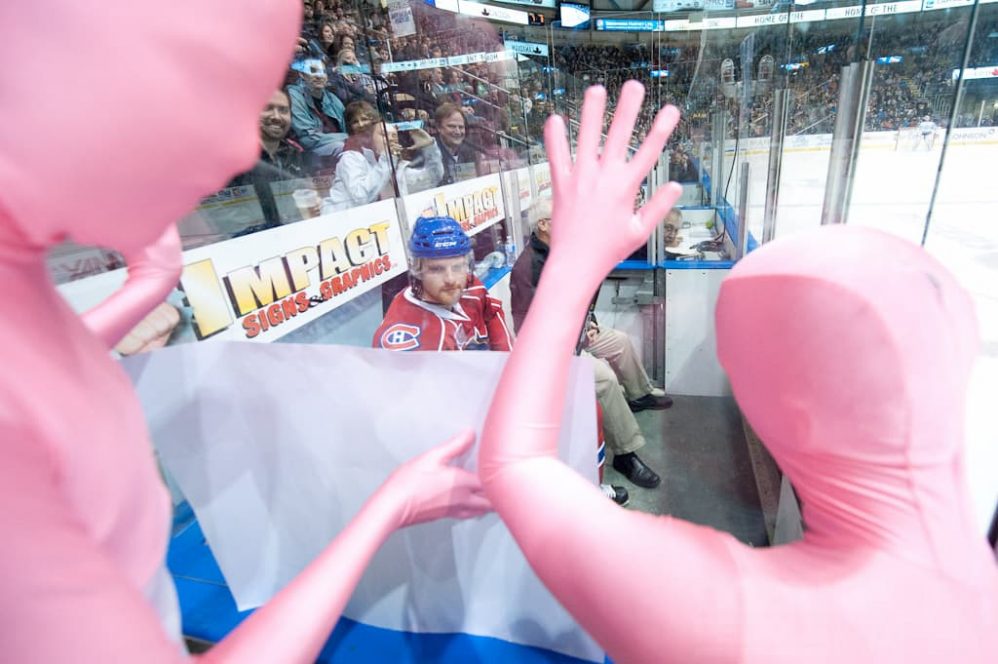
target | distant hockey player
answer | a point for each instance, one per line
(927, 130)
(445, 307)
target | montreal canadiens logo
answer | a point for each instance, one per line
(400, 337)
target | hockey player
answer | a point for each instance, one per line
(927, 130)
(445, 306)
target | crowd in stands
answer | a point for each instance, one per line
(903, 93)
(367, 128)
(362, 131)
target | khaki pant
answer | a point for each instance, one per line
(616, 349)
(617, 371)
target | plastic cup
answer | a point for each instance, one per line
(308, 203)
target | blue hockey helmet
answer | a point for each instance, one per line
(438, 237)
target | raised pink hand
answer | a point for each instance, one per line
(433, 489)
(153, 271)
(594, 226)
(594, 197)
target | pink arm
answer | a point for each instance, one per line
(153, 272)
(64, 599)
(646, 588)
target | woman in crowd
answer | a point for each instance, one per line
(363, 168)
(343, 43)
(327, 39)
(348, 82)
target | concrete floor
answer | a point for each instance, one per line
(698, 447)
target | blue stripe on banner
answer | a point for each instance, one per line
(601, 455)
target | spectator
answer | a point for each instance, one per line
(673, 222)
(348, 83)
(308, 28)
(280, 157)
(459, 157)
(316, 113)
(615, 363)
(327, 39)
(436, 86)
(681, 167)
(363, 168)
(344, 43)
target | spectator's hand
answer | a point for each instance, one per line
(429, 488)
(301, 46)
(420, 139)
(592, 330)
(152, 332)
(593, 222)
(379, 142)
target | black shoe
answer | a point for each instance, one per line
(617, 494)
(634, 469)
(649, 402)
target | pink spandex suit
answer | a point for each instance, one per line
(116, 118)
(849, 352)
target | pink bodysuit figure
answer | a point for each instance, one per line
(849, 352)
(117, 118)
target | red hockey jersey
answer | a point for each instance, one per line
(475, 323)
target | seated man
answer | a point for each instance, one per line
(280, 157)
(316, 113)
(459, 157)
(673, 222)
(617, 363)
(445, 307)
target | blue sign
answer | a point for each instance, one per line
(890, 60)
(660, 73)
(629, 25)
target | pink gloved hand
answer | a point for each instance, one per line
(153, 271)
(433, 489)
(594, 198)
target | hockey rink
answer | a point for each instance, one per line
(892, 191)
